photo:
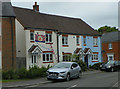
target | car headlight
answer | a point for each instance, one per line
(47, 72)
(108, 66)
(63, 72)
(100, 65)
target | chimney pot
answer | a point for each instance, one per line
(36, 7)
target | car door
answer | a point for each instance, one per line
(74, 70)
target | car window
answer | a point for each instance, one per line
(62, 65)
(74, 65)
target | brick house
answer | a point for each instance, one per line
(44, 39)
(111, 46)
(8, 43)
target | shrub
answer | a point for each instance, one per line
(82, 65)
(95, 66)
(22, 73)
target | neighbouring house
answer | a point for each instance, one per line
(111, 46)
(44, 39)
(8, 36)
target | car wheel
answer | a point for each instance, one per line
(112, 69)
(68, 77)
(79, 74)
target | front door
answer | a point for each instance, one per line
(86, 60)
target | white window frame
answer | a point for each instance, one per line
(94, 57)
(95, 41)
(77, 40)
(33, 36)
(48, 41)
(110, 45)
(110, 55)
(84, 40)
(32, 59)
(49, 57)
(64, 40)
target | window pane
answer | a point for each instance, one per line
(47, 57)
(32, 58)
(35, 59)
(66, 40)
(51, 57)
(31, 36)
(84, 40)
(77, 40)
(47, 37)
(43, 57)
(50, 37)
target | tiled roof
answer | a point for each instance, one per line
(111, 37)
(35, 20)
(77, 50)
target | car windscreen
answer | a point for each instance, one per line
(62, 65)
(110, 62)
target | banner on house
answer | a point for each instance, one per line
(40, 38)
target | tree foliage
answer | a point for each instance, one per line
(103, 29)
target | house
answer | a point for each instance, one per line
(8, 41)
(110, 46)
(44, 39)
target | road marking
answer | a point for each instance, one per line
(74, 85)
(115, 84)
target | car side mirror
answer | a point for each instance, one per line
(71, 67)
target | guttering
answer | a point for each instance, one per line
(28, 28)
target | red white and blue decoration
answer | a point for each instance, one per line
(40, 38)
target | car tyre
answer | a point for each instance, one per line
(112, 69)
(68, 77)
(79, 74)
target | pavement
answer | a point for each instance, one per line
(37, 81)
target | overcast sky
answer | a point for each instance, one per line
(96, 14)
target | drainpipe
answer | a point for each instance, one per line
(58, 46)
(12, 42)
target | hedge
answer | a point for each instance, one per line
(23, 73)
(95, 66)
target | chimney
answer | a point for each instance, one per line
(36, 7)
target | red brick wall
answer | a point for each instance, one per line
(8, 44)
(115, 49)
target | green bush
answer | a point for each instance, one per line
(82, 65)
(95, 66)
(22, 73)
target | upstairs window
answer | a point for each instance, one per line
(84, 40)
(110, 45)
(48, 37)
(64, 40)
(95, 41)
(32, 36)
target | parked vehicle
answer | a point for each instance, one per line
(64, 70)
(111, 66)
(102, 66)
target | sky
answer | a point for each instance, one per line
(95, 13)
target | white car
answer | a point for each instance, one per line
(64, 70)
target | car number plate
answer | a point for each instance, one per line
(53, 75)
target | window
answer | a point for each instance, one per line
(110, 57)
(47, 57)
(110, 45)
(48, 38)
(95, 41)
(77, 40)
(65, 40)
(32, 36)
(95, 57)
(84, 40)
(66, 58)
(34, 59)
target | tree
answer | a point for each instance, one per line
(104, 29)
